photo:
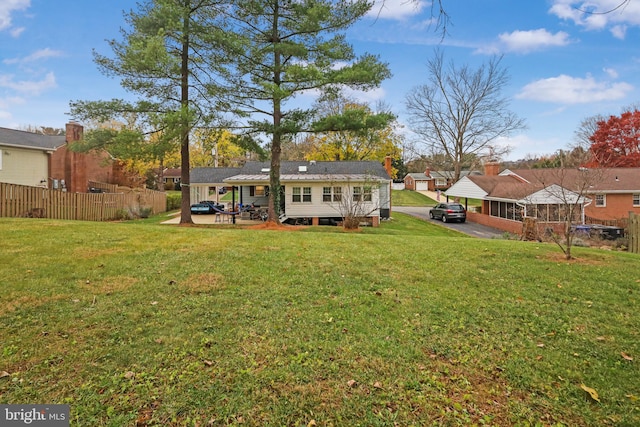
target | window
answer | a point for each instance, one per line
(258, 191)
(367, 194)
(601, 200)
(362, 194)
(357, 194)
(331, 194)
(441, 182)
(301, 194)
(636, 198)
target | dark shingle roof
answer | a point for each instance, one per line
(372, 168)
(18, 138)
(211, 175)
(290, 170)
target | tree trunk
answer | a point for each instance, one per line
(185, 206)
(276, 148)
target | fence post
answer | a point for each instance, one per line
(634, 233)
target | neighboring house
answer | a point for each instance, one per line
(25, 157)
(431, 180)
(172, 175)
(44, 161)
(614, 193)
(312, 190)
(542, 193)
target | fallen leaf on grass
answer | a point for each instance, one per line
(625, 356)
(154, 302)
(4, 374)
(377, 384)
(311, 423)
(590, 392)
(600, 338)
(352, 383)
(631, 397)
(540, 345)
(129, 374)
(208, 363)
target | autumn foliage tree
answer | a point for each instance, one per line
(376, 136)
(616, 141)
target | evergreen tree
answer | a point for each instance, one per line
(170, 59)
(281, 49)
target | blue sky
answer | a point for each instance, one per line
(564, 65)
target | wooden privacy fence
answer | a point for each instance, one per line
(634, 233)
(24, 201)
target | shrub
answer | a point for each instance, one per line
(145, 212)
(122, 215)
(174, 200)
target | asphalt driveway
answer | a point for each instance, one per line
(469, 228)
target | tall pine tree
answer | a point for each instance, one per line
(280, 49)
(170, 57)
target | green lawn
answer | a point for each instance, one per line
(410, 198)
(136, 323)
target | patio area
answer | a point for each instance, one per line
(212, 219)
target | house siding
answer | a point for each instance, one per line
(24, 166)
(318, 208)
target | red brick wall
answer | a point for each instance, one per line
(513, 227)
(409, 183)
(617, 206)
(77, 169)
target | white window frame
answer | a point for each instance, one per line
(636, 199)
(364, 193)
(331, 194)
(601, 200)
(301, 195)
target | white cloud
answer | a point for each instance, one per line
(15, 32)
(599, 14)
(526, 41)
(611, 72)
(30, 87)
(619, 31)
(35, 56)
(396, 9)
(366, 97)
(573, 90)
(7, 7)
(12, 100)
(523, 146)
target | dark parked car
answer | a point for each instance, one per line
(448, 212)
(206, 207)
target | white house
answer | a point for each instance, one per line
(314, 191)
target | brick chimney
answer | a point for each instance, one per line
(387, 165)
(427, 172)
(73, 132)
(492, 168)
(75, 163)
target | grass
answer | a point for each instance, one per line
(137, 323)
(411, 198)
